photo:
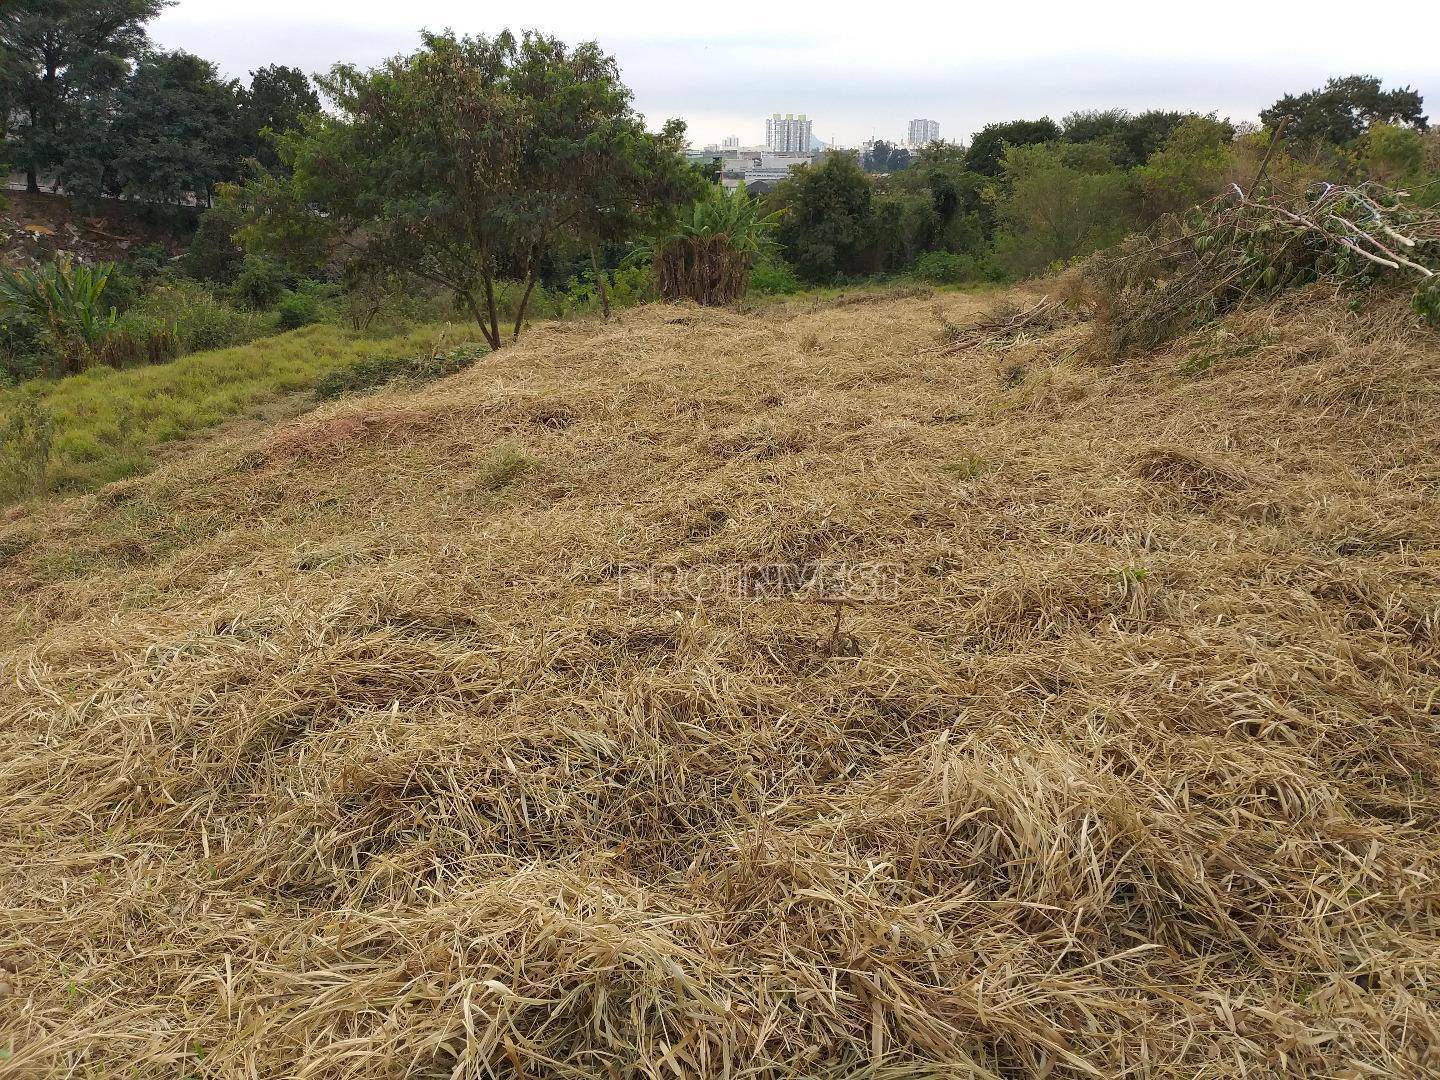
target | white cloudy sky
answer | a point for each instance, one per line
(866, 68)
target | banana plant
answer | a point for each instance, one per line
(64, 301)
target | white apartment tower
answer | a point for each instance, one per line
(923, 133)
(732, 144)
(789, 134)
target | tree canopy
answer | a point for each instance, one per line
(884, 157)
(473, 158)
(277, 100)
(987, 148)
(825, 224)
(61, 54)
(1343, 109)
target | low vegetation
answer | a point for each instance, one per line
(506, 724)
(898, 680)
(105, 424)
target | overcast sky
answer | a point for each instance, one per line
(867, 69)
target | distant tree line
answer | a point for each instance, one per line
(1027, 194)
(92, 106)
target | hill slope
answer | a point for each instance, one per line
(370, 748)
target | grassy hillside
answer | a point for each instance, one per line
(108, 423)
(487, 729)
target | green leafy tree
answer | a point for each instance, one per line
(1191, 166)
(884, 157)
(1392, 154)
(60, 56)
(987, 148)
(1344, 109)
(827, 218)
(596, 176)
(1132, 140)
(904, 223)
(277, 100)
(465, 162)
(1058, 202)
(213, 254)
(173, 132)
(964, 220)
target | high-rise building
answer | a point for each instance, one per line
(923, 133)
(732, 144)
(788, 135)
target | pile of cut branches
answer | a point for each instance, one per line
(1192, 268)
(1007, 326)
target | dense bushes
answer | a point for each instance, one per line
(261, 283)
(775, 277)
(297, 309)
(197, 318)
(949, 268)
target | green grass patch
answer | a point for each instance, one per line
(372, 372)
(969, 467)
(505, 464)
(105, 423)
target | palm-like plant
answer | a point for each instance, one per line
(64, 301)
(707, 255)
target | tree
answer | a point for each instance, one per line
(469, 160)
(826, 225)
(964, 221)
(277, 101)
(988, 147)
(1132, 140)
(1059, 202)
(60, 53)
(903, 225)
(172, 136)
(884, 157)
(1343, 110)
(1189, 168)
(1392, 154)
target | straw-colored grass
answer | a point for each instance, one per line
(360, 749)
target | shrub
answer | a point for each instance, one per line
(197, 319)
(297, 309)
(625, 287)
(144, 344)
(64, 302)
(213, 255)
(261, 283)
(707, 257)
(948, 268)
(373, 372)
(775, 277)
(1061, 202)
(23, 352)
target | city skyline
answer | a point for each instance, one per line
(856, 75)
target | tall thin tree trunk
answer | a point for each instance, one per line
(493, 332)
(524, 304)
(600, 282)
(32, 180)
(487, 328)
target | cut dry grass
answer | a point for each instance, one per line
(361, 748)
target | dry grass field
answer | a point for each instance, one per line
(366, 746)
